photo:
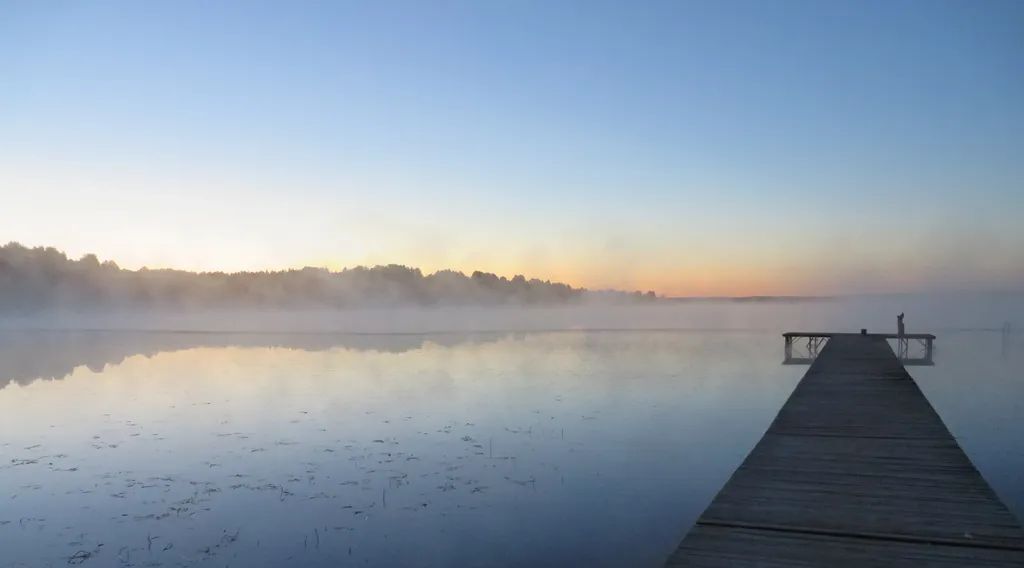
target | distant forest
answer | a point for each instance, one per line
(35, 279)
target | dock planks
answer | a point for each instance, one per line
(856, 469)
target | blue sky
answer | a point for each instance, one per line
(689, 147)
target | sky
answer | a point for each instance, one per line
(689, 147)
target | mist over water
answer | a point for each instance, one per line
(472, 437)
(925, 313)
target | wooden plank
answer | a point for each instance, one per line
(857, 468)
(724, 547)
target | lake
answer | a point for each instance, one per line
(562, 447)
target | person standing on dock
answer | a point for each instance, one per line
(902, 346)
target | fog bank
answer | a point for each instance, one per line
(924, 313)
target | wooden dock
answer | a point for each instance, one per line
(856, 469)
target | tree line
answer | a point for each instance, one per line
(33, 279)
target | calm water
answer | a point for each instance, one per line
(571, 448)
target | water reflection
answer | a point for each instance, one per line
(26, 356)
(977, 387)
(548, 448)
